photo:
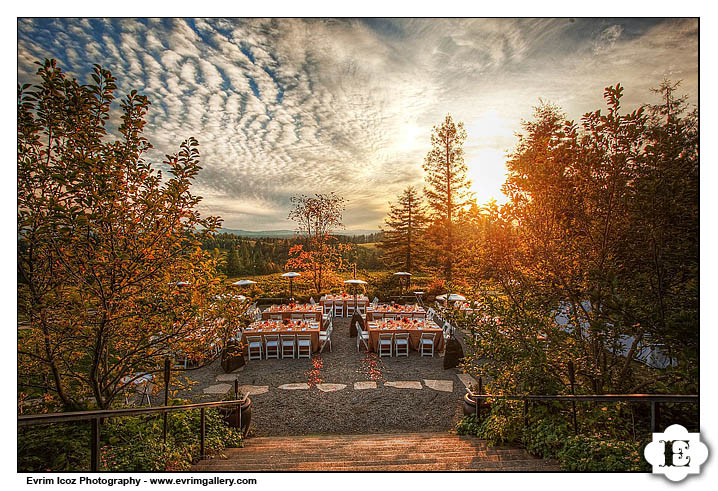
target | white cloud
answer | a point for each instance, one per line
(348, 105)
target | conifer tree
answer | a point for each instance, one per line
(403, 242)
(448, 188)
(233, 266)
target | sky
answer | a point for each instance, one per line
(283, 107)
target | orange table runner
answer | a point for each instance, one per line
(286, 311)
(409, 311)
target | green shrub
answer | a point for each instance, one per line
(467, 426)
(591, 453)
(129, 444)
(550, 436)
(56, 447)
(503, 425)
(546, 438)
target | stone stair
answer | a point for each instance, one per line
(381, 452)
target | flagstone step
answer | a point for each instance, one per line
(375, 452)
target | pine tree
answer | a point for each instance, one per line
(402, 243)
(233, 266)
(448, 188)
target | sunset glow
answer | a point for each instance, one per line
(287, 106)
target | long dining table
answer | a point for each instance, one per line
(415, 328)
(283, 328)
(283, 312)
(381, 311)
(328, 302)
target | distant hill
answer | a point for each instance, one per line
(285, 234)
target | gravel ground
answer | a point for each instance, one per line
(306, 412)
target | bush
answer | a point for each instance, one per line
(549, 436)
(467, 426)
(591, 453)
(502, 425)
(56, 447)
(546, 438)
(132, 444)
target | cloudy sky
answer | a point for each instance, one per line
(289, 106)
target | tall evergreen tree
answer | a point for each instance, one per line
(403, 242)
(448, 187)
(233, 266)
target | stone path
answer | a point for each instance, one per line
(253, 390)
(369, 388)
(382, 452)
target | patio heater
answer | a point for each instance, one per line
(291, 275)
(401, 275)
(354, 283)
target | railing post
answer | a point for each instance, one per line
(95, 444)
(201, 433)
(572, 379)
(655, 416)
(526, 412)
(478, 401)
(167, 387)
(239, 408)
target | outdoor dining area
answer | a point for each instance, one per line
(390, 329)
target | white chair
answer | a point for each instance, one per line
(296, 317)
(142, 387)
(361, 308)
(375, 302)
(311, 301)
(386, 341)
(287, 345)
(401, 344)
(309, 317)
(326, 337)
(304, 346)
(350, 309)
(275, 317)
(254, 347)
(327, 308)
(378, 315)
(339, 309)
(271, 343)
(389, 317)
(426, 344)
(362, 337)
(447, 331)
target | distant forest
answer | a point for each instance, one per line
(255, 256)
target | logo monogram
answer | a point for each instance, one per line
(670, 448)
(676, 453)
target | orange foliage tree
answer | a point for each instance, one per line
(111, 276)
(321, 255)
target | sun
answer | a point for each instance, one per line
(489, 138)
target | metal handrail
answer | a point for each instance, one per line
(653, 399)
(47, 418)
(596, 397)
(95, 416)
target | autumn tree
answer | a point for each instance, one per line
(112, 278)
(403, 243)
(317, 218)
(585, 237)
(447, 188)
